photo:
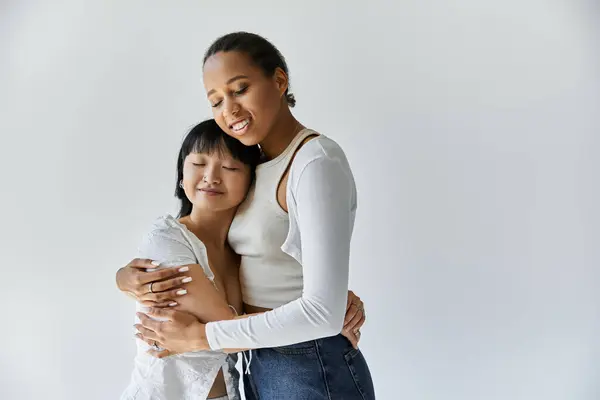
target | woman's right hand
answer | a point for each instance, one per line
(159, 288)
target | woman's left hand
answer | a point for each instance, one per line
(354, 319)
(180, 333)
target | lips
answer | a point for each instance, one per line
(210, 191)
(239, 124)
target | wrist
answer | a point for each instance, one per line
(201, 341)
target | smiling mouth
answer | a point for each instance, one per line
(240, 125)
(211, 192)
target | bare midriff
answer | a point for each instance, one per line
(254, 309)
(218, 388)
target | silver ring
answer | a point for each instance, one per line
(151, 283)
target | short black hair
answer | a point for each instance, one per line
(262, 52)
(208, 137)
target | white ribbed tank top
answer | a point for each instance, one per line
(269, 277)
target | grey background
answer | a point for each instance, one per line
(472, 128)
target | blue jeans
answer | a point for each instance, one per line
(327, 368)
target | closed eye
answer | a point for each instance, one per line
(241, 91)
(198, 164)
(230, 168)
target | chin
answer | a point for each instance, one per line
(249, 140)
(251, 137)
(211, 207)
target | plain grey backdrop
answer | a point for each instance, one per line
(472, 128)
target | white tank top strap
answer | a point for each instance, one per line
(281, 162)
(297, 142)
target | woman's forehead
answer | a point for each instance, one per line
(224, 66)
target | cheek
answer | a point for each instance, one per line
(218, 116)
(261, 101)
(190, 175)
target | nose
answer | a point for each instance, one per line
(212, 175)
(230, 107)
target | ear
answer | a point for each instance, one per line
(281, 80)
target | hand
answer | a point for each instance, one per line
(180, 333)
(354, 319)
(152, 289)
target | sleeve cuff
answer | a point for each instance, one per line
(210, 336)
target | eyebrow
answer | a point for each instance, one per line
(235, 78)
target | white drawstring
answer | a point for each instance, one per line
(248, 361)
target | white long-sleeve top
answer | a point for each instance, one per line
(322, 201)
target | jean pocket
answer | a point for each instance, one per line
(297, 349)
(360, 373)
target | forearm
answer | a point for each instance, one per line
(240, 317)
(220, 312)
(298, 321)
(203, 299)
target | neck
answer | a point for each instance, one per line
(281, 135)
(211, 227)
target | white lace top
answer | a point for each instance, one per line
(183, 376)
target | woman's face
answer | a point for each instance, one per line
(216, 181)
(245, 102)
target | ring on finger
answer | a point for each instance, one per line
(151, 283)
(155, 346)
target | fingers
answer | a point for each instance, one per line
(149, 323)
(352, 337)
(163, 297)
(147, 335)
(355, 324)
(169, 284)
(351, 313)
(159, 353)
(142, 289)
(149, 303)
(159, 313)
(144, 277)
(162, 353)
(149, 342)
(142, 263)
